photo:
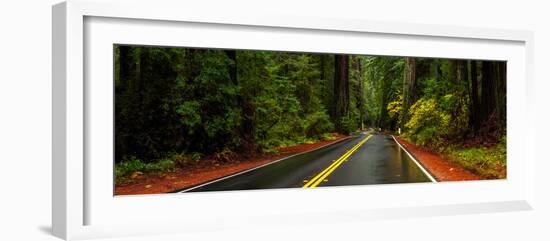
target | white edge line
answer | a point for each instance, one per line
(415, 161)
(254, 168)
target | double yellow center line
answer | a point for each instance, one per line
(322, 175)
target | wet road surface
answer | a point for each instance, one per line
(362, 159)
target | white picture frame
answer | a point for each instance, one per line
(83, 204)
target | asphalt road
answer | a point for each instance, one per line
(367, 158)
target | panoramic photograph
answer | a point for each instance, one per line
(204, 119)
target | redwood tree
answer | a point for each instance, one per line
(409, 88)
(341, 89)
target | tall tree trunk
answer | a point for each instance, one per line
(232, 54)
(385, 98)
(474, 95)
(341, 89)
(459, 75)
(488, 97)
(502, 92)
(454, 72)
(141, 73)
(500, 89)
(359, 92)
(409, 89)
(460, 91)
(125, 66)
(462, 72)
(121, 141)
(322, 67)
(326, 71)
(246, 128)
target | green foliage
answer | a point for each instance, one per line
(208, 108)
(442, 117)
(318, 124)
(384, 77)
(277, 114)
(288, 109)
(349, 124)
(456, 107)
(427, 121)
(489, 162)
(174, 100)
(212, 102)
(328, 136)
(132, 165)
(189, 112)
(395, 108)
(432, 119)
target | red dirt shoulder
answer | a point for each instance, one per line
(208, 170)
(439, 167)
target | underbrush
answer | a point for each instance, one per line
(272, 146)
(132, 167)
(488, 162)
(441, 125)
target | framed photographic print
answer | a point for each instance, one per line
(281, 117)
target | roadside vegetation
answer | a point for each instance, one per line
(458, 109)
(179, 107)
(488, 162)
(129, 169)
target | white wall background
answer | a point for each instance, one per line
(25, 119)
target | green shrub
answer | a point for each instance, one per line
(431, 119)
(395, 108)
(489, 162)
(128, 166)
(162, 165)
(349, 124)
(183, 159)
(328, 136)
(317, 124)
(132, 165)
(428, 122)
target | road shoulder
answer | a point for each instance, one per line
(192, 176)
(437, 165)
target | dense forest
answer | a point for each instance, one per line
(174, 104)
